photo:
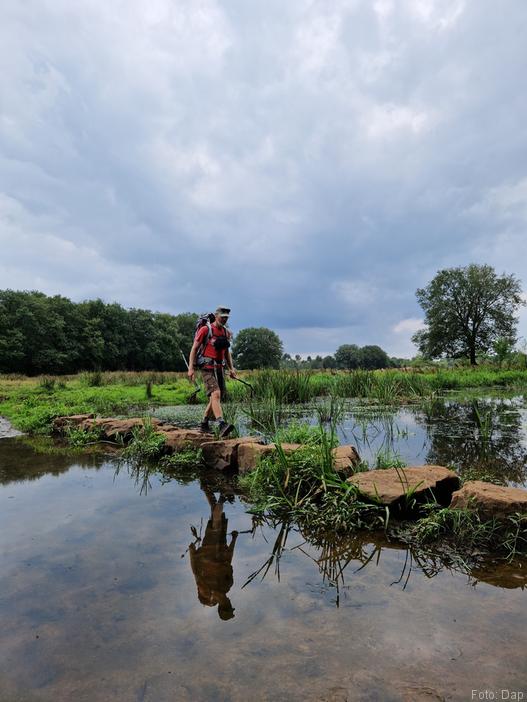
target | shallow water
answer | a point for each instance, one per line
(484, 437)
(114, 589)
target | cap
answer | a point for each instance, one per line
(223, 311)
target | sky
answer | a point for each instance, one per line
(308, 163)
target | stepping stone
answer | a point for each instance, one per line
(346, 458)
(250, 454)
(181, 439)
(223, 455)
(490, 500)
(392, 486)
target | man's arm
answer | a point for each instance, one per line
(192, 360)
(230, 365)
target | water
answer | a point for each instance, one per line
(118, 589)
(482, 438)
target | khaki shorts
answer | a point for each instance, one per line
(213, 380)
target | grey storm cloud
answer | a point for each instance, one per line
(309, 163)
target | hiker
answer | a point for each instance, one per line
(211, 562)
(210, 353)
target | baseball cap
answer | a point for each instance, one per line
(223, 311)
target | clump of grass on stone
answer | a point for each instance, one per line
(146, 443)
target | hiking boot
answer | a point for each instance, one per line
(205, 427)
(225, 429)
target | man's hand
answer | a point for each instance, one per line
(233, 374)
(191, 374)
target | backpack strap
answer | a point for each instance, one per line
(200, 358)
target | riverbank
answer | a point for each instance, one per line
(31, 404)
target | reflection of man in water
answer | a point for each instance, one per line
(211, 562)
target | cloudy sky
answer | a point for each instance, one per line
(308, 162)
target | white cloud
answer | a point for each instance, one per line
(408, 326)
(388, 120)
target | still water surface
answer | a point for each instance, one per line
(110, 591)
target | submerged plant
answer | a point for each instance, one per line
(483, 420)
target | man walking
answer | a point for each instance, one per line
(210, 353)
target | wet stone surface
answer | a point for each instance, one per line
(119, 588)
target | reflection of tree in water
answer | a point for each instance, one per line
(479, 440)
(211, 561)
(21, 460)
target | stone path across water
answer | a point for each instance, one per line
(393, 487)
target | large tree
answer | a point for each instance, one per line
(372, 357)
(466, 311)
(257, 347)
(347, 356)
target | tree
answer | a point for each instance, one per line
(186, 323)
(503, 348)
(329, 362)
(466, 311)
(372, 357)
(257, 348)
(347, 356)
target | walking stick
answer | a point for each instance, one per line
(246, 383)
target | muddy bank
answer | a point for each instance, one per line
(6, 430)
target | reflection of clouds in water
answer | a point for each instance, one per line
(112, 597)
(446, 434)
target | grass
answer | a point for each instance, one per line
(188, 458)
(31, 404)
(146, 443)
(80, 438)
(298, 433)
(465, 531)
(305, 487)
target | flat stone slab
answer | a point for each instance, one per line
(391, 486)
(112, 428)
(74, 420)
(490, 500)
(109, 427)
(181, 439)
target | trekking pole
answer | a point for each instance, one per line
(193, 396)
(246, 383)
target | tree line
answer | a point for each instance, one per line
(41, 334)
(469, 312)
